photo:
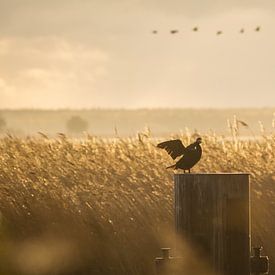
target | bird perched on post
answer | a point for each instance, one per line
(190, 154)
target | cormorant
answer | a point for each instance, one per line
(191, 154)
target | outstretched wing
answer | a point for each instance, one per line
(174, 148)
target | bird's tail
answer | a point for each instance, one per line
(172, 166)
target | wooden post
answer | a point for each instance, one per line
(212, 213)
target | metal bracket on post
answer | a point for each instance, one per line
(259, 264)
(163, 262)
(168, 264)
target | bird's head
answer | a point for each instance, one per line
(199, 140)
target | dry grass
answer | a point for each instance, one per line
(106, 206)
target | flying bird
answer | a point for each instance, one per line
(154, 32)
(218, 32)
(242, 30)
(174, 31)
(241, 122)
(195, 29)
(257, 29)
(190, 154)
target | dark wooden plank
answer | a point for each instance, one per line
(212, 213)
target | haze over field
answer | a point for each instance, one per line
(84, 54)
(161, 122)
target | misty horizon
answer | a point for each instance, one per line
(127, 122)
(205, 108)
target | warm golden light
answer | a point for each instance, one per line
(103, 54)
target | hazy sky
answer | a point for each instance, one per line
(101, 53)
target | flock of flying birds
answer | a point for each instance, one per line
(218, 32)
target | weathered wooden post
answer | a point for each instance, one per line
(212, 214)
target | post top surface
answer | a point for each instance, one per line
(208, 174)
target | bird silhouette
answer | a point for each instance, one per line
(242, 30)
(257, 29)
(174, 31)
(190, 154)
(154, 32)
(218, 32)
(195, 29)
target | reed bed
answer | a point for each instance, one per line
(105, 206)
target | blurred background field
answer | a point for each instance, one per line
(109, 123)
(105, 206)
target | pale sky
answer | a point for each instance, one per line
(101, 53)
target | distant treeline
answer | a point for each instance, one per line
(111, 122)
